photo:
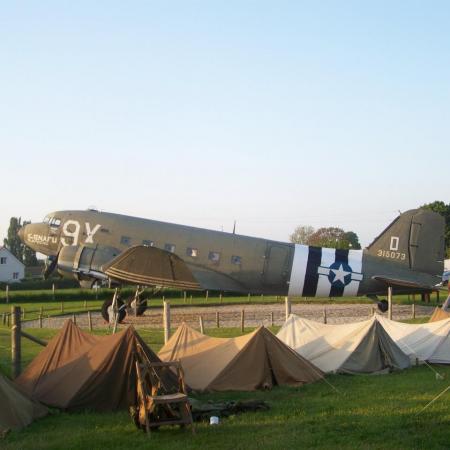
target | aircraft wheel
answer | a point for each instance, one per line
(107, 304)
(142, 308)
(383, 305)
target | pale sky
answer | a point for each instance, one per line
(200, 112)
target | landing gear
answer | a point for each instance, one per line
(383, 305)
(135, 304)
(113, 308)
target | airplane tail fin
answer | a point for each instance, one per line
(416, 239)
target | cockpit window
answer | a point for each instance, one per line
(47, 219)
(55, 222)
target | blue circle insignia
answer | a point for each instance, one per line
(340, 274)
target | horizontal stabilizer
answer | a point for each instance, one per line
(396, 282)
(151, 266)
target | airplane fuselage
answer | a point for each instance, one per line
(86, 240)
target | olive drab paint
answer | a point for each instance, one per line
(408, 255)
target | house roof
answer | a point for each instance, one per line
(11, 254)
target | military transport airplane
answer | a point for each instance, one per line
(93, 246)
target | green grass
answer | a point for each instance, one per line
(367, 412)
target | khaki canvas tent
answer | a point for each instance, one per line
(16, 409)
(439, 314)
(78, 370)
(361, 347)
(424, 342)
(254, 361)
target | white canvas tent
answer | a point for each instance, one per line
(426, 341)
(362, 347)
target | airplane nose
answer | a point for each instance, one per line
(21, 234)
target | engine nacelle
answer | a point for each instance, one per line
(84, 263)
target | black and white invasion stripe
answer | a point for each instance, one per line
(325, 272)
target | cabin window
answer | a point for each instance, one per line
(214, 257)
(169, 248)
(15, 275)
(148, 243)
(192, 252)
(237, 260)
(125, 240)
(3, 260)
(46, 219)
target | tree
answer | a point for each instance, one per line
(332, 237)
(443, 209)
(15, 245)
(301, 234)
(12, 242)
(353, 241)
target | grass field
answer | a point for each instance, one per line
(369, 412)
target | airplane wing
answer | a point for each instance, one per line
(151, 266)
(396, 282)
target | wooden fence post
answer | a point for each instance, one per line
(166, 319)
(271, 318)
(184, 296)
(221, 297)
(202, 329)
(217, 319)
(53, 290)
(74, 319)
(242, 320)
(324, 315)
(206, 296)
(287, 306)
(390, 302)
(7, 293)
(413, 308)
(89, 320)
(16, 353)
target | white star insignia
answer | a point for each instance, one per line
(340, 274)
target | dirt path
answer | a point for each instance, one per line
(230, 315)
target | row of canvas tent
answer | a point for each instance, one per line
(78, 370)
(369, 346)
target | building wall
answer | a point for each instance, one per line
(12, 270)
